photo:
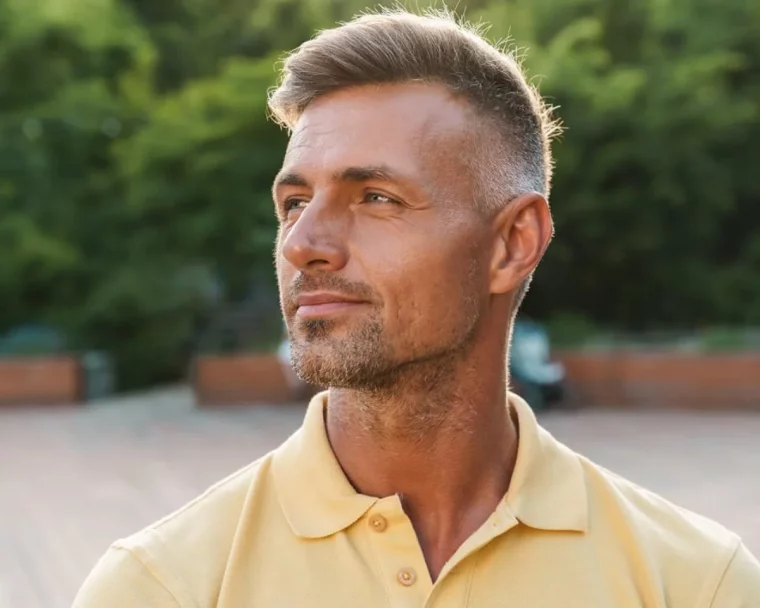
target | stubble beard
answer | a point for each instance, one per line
(385, 390)
(389, 395)
(359, 361)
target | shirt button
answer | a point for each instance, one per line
(378, 523)
(407, 576)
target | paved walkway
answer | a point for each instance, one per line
(73, 480)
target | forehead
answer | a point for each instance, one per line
(413, 128)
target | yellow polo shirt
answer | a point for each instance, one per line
(289, 531)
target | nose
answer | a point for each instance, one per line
(317, 240)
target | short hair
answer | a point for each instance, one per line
(395, 46)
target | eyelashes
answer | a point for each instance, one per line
(370, 197)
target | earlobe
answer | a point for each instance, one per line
(522, 232)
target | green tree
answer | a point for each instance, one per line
(199, 173)
(653, 195)
(75, 80)
(63, 100)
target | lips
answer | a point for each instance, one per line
(322, 304)
(319, 298)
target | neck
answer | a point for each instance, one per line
(441, 438)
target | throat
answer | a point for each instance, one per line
(410, 408)
(450, 460)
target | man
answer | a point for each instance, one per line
(413, 210)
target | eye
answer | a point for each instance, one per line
(292, 204)
(378, 197)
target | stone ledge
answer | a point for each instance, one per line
(243, 379)
(643, 379)
(54, 380)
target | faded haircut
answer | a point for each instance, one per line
(512, 154)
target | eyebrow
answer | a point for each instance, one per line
(364, 174)
(349, 174)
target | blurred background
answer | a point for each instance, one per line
(136, 230)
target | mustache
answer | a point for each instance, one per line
(305, 283)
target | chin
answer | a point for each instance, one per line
(316, 332)
(335, 355)
(334, 368)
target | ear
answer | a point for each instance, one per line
(522, 232)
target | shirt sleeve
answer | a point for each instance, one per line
(120, 580)
(740, 585)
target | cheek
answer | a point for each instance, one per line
(283, 272)
(280, 264)
(430, 288)
(280, 268)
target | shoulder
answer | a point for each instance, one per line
(121, 580)
(739, 584)
(685, 552)
(653, 514)
(182, 556)
(211, 517)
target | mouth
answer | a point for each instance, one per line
(319, 305)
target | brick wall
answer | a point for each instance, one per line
(241, 379)
(606, 379)
(670, 380)
(40, 381)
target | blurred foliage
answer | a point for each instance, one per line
(568, 329)
(136, 160)
(655, 200)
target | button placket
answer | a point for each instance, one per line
(398, 553)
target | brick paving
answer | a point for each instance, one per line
(74, 479)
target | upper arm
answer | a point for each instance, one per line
(740, 585)
(120, 580)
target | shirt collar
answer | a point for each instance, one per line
(314, 493)
(547, 490)
(548, 486)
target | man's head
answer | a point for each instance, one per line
(414, 185)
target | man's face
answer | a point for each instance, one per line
(382, 254)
